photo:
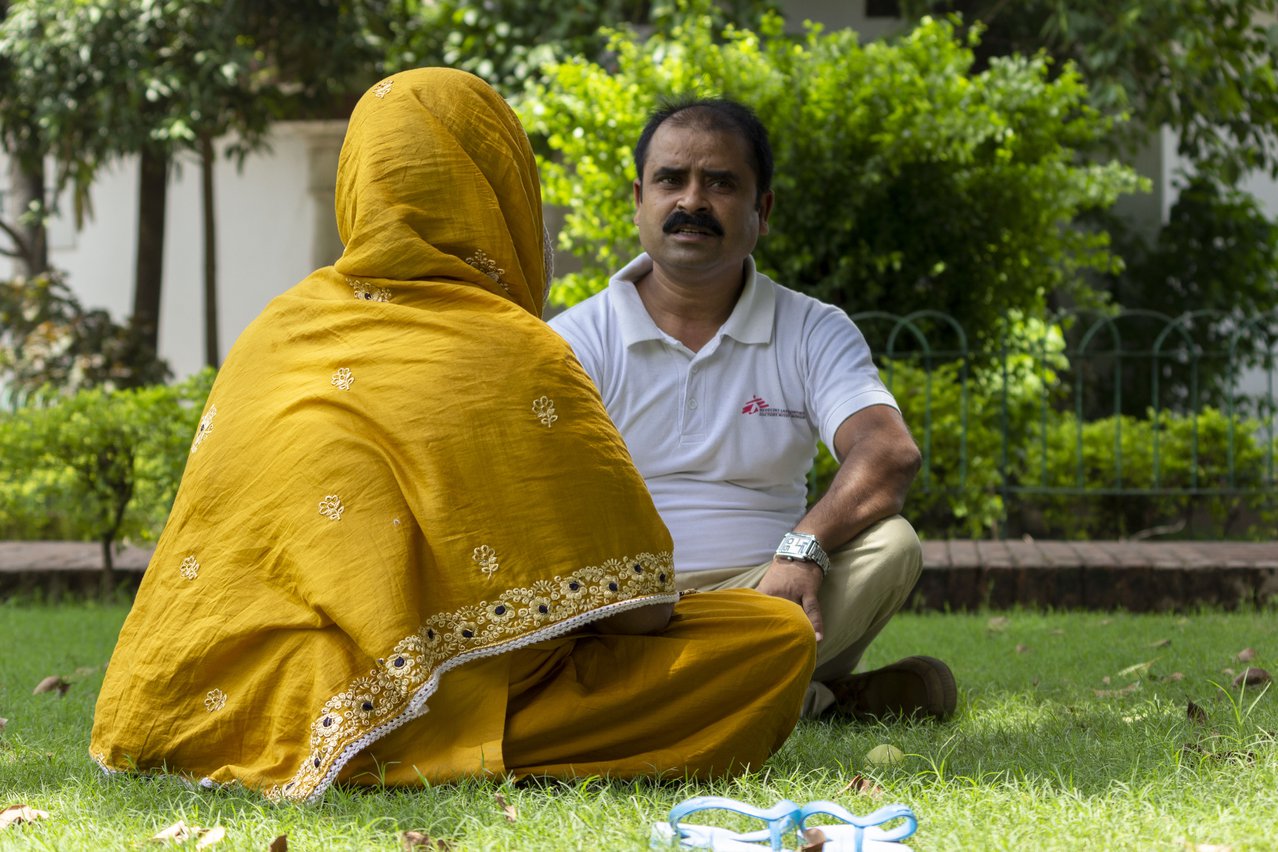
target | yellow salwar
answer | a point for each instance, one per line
(405, 510)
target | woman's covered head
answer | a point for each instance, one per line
(437, 181)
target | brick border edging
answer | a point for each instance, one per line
(957, 574)
(1102, 575)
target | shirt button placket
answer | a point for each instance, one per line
(693, 421)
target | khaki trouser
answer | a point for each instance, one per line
(870, 578)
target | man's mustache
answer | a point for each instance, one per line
(680, 219)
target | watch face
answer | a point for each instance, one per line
(795, 546)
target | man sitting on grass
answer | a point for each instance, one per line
(721, 381)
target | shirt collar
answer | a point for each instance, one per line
(750, 321)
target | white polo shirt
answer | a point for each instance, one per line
(725, 436)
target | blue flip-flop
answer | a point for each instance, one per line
(785, 820)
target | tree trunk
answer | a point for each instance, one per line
(208, 157)
(28, 189)
(152, 199)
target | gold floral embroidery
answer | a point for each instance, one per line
(383, 88)
(486, 558)
(343, 379)
(189, 568)
(485, 264)
(544, 408)
(368, 292)
(331, 507)
(215, 700)
(205, 427)
(382, 695)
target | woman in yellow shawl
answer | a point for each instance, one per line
(409, 545)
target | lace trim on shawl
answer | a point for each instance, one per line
(417, 705)
(396, 690)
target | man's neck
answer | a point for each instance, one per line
(691, 313)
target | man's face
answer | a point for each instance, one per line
(696, 207)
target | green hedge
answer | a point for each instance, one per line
(98, 465)
(105, 465)
(1203, 475)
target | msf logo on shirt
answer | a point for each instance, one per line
(757, 405)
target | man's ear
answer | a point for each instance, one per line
(638, 187)
(765, 210)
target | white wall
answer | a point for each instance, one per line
(275, 225)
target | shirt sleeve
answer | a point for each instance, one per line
(841, 378)
(575, 326)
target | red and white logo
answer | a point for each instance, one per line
(757, 405)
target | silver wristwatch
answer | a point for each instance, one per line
(803, 547)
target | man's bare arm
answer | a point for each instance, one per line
(879, 460)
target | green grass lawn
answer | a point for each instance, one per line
(1072, 733)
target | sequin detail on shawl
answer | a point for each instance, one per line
(343, 379)
(485, 264)
(544, 408)
(205, 427)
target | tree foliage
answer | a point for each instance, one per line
(508, 41)
(87, 81)
(904, 179)
(1208, 69)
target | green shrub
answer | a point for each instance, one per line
(1195, 475)
(904, 180)
(50, 343)
(1204, 475)
(99, 465)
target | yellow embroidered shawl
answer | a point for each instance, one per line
(400, 469)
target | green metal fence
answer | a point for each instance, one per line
(1176, 413)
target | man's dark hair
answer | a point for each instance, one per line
(717, 114)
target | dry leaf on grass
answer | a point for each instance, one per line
(1139, 670)
(1116, 693)
(997, 624)
(1176, 676)
(1252, 677)
(19, 814)
(861, 786)
(180, 832)
(279, 844)
(1246, 655)
(1195, 713)
(506, 808)
(51, 683)
(1191, 846)
(1022, 648)
(813, 840)
(1161, 643)
(216, 834)
(412, 840)
(3, 722)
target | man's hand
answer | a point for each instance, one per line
(798, 582)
